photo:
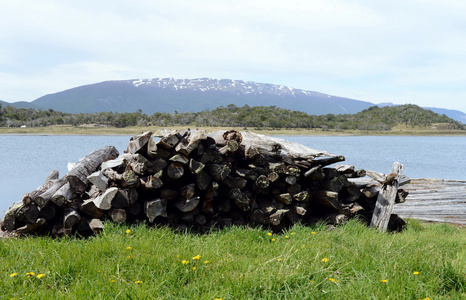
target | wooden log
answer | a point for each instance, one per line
(28, 213)
(195, 166)
(262, 182)
(231, 147)
(279, 147)
(191, 142)
(45, 197)
(119, 162)
(138, 143)
(241, 200)
(185, 205)
(88, 207)
(285, 198)
(169, 141)
(47, 212)
(203, 180)
(328, 199)
(104, 201)
(276, 218)
(315, 173)
(71, 218)
(77, 177)
(31, 227)
(152, 182)
(187, 191)
(112, 175)
(158, 165)
(302, 196)
(130, 178)
(273, 177)
(99, 180)
(350, 193)
(9, 221)
(379, 177)
(118, 215)
(96, 225)
(179, 158)
(175, 170)
(386, 200)
(121, 199)
(63, 194)
(219, 172)
(28, 198)
(328, 160)
(290, 179)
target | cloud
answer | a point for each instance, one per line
(369, 50)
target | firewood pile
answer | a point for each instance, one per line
(199, 180)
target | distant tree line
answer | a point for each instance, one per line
(257, 117)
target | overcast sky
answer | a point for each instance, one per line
(379, 51)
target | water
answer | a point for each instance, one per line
(29, 159)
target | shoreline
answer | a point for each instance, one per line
(103, 130)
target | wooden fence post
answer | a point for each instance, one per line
(386, 199)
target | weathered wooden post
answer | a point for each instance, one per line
(386, 199)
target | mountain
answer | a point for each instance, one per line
(21, 104)
(451, 113)
(192, 95)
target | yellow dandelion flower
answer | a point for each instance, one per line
(269, 233)
(279, 259)
(184, 262)
(13, 274)
(113, 280)
(325, 259)
(30, 274)
(384, 280)
(206, 261)
(138, 282)
(194, 268)
(128, 248)
(197, 257)
(273, 240)
(128, 257)
(333, 279)
(416, 272)
(292, 233)
(426, 298)
(287, 237)
(313, 232)
(40, 276)
(218, 298)
(128, 231)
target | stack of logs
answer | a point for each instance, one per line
(201, 181)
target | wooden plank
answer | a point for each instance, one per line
(386, 200)
(434, 200)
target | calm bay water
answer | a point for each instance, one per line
(29, 159)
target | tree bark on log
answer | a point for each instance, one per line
(28, 198)
(77, 177)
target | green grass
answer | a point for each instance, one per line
(349, 262)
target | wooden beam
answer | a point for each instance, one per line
(386, 200)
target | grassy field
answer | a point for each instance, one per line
(427, 261)
(105, 130)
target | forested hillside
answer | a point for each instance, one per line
(258, 117)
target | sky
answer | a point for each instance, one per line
(379, 51)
